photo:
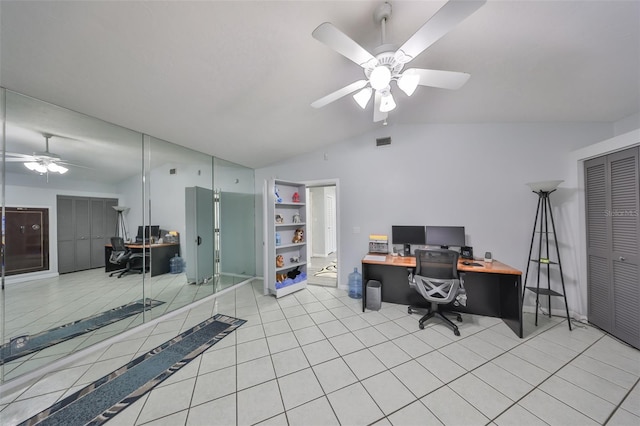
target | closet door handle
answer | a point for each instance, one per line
(622, 259)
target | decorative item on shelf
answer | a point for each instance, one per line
(278, 198)
(295, 197)
(294, 273)
(298, 236)
(281, 277)
(296, 218)
(295, 259)
(279, 261)
(278, 239)
(279, 218)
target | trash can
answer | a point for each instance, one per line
(374, 295)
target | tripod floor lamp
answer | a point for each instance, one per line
(544, 213)
(121, 227)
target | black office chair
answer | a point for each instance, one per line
(122, 256)
(436, 279)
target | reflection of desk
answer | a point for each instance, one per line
(493, 289)
(160, 255)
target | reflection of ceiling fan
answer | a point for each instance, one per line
(40, 162)
(386, 66)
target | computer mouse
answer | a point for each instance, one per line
(466, 263)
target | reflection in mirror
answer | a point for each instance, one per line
(179, 254)
(65, 173)
(95, 215)
(235, 216)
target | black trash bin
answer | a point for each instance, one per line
(374, 295)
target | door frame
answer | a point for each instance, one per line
(576, 171)
(340, 283)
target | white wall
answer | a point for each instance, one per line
(32, 191)
(458, 174)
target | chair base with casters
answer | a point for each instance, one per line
(129, 269)
(121, 255)
(438, 312)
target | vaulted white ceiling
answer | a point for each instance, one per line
(236, 79)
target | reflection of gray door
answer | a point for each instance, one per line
(199, 234)
(84, 227)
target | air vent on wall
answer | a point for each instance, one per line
(383, 141)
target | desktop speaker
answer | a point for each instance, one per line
(487, 257)
(466, 252)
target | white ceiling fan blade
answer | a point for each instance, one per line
(15, 157)
(442, 79)
(328, 34)
(356, 85)
(445, 19)
(377, 114)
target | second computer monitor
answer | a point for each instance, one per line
(407, 235)
(445, 236)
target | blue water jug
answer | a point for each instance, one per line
(355, 284)
(175, 264)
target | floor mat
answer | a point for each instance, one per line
(24, 345)
(329, 271)
(104, 398)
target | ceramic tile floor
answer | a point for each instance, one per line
(44, 304)
(313, 358)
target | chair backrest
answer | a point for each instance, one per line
(117, 244)
(436, 276)
(437, 263)
(119, 252)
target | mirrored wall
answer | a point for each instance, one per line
(106, 228)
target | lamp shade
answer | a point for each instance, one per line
(408, 82)
(544, 186)
(362, 97)
(387, 103)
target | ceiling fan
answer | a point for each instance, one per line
(40, 162)
(387, 64)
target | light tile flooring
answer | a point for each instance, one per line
(313, 358)
(39, 305)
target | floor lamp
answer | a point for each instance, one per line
(121, 228)
(544, 213)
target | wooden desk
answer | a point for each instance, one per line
(493, 289)
(159, 256)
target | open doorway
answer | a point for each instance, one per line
(322, 234)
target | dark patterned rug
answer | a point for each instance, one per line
(106, 397)
(24, 345)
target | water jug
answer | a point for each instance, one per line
(175, 264)
(355, 284)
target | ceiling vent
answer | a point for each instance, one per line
(383, 141)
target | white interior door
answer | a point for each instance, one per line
(330, 221)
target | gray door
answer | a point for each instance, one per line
(82, 225)
(199, 255)
(612, 193)
(66, 235)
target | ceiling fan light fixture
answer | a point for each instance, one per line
(408, 83)
(363, 96)
(380, 77)
(36, 167)
(56, 168)
(387, 103)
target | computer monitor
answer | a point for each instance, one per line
(407, 235)
(146, 232)
(445, 236)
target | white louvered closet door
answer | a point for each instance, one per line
(612, 189)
